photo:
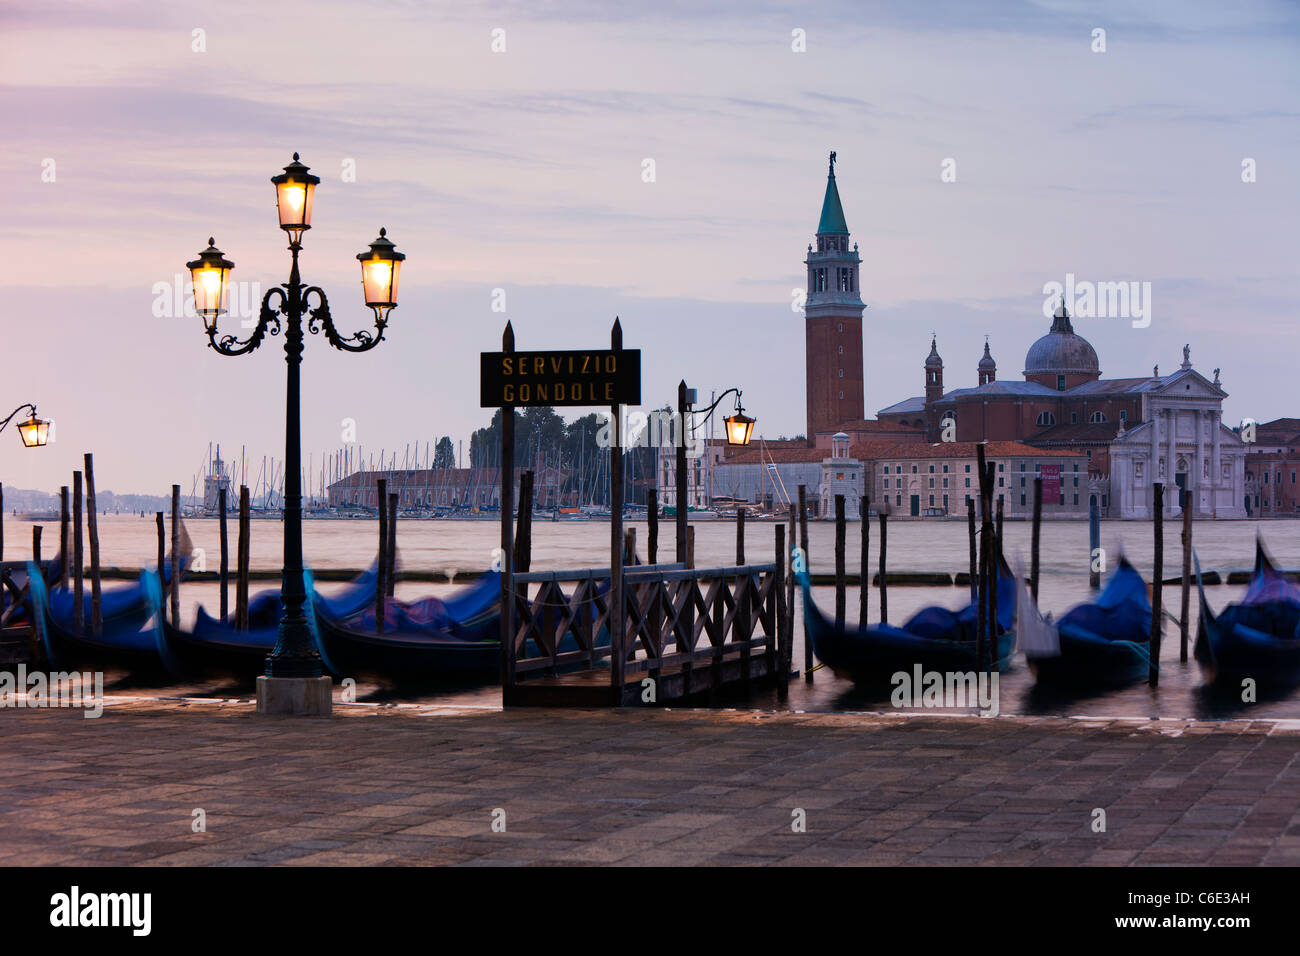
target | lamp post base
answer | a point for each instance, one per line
(302, 696)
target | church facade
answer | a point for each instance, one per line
(1135, 432)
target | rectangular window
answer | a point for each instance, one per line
(932, 501)
(945, 502)
(945, 482)
(1060, 383)
(968, 470)
(945, 470)
(968, 485)
(931, 482)
(932, 469)
(1022, 501)
(914, 469)
(1076, 499)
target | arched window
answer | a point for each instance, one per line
(1045, 419)
(1097, 418)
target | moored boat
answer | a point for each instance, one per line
(936, 638)
(1102, 643)
(127, 636)
(1255, 638)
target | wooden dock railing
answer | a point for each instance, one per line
(686, 629)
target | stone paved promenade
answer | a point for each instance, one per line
(399, 786)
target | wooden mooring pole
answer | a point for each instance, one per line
(65, 528)
(807, 563)
(882, 581)
(652, 531)
(790, 582)
(784, 623)
(176, 557)
(92, 529)
(864, 577)
(1033, 541)
(840, 600)
(974, 567)
(390, 579)
(36, 547)
(162, 558)
(1157, 582)
(683, 412)
(1187, 576)
(740, 537)
(981, 616)
(225, 552)
(524, 525)
(78, 559)
(381, 582)
(1094, 543)
(242, 561)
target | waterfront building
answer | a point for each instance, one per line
(1272, 461)
(450, 488)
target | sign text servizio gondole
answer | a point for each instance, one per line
(583, 377)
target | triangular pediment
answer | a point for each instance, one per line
(1188, 383)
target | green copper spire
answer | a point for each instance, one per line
(832, 222)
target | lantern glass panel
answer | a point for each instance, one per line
(294, 200)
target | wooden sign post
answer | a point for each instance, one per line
(512, 379)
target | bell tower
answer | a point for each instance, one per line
(833, 322)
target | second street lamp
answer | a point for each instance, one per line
(295, 655)
(739, 427)
(34, 432)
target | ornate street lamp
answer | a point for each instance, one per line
(295, 655)
(739, 427)
(34, 432)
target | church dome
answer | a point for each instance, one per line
(987, 363)
(1061, 350)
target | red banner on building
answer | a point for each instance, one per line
(1051, 475)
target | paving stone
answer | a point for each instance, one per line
(639, 787)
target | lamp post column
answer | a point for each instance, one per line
(294, 654)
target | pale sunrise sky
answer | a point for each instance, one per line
(522, 170)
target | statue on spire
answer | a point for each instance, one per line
(832, 162)
(1187, 356)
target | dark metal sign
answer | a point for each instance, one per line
(582, 377)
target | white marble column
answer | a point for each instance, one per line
(1171, 462)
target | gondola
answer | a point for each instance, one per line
(129, 632)
(456, 638)
(936, 638)
(1255, 638)
(1103, 643)
(216, 646)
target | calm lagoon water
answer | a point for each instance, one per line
(924, 545)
